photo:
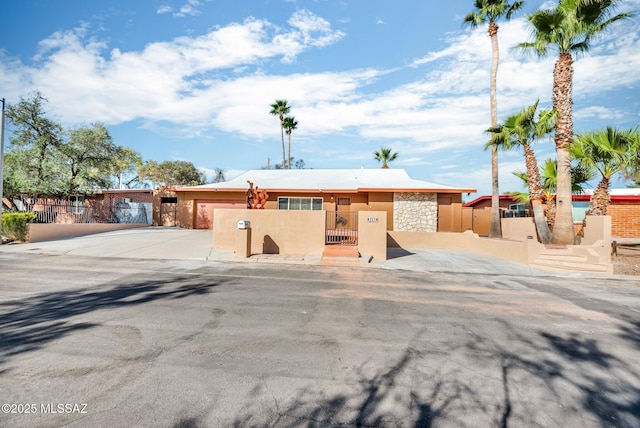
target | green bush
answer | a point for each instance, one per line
(14, 225)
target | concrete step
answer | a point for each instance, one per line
(340, 261)
(340, 255)
(562, 257)
(557, 249)
(340, 251)
(559, 266)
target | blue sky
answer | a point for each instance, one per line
(193, 80)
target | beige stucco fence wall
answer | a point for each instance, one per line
(295, 233)
(39, 232)
(303, 232)
(272, 231)
(519, 243)
(372, 234)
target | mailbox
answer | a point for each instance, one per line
(244, 224)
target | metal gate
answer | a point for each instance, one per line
(341, 228)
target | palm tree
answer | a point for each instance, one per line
(289, 124)
(609, 151)
(567, 28)
(491, 11)
(580, 175)
(384, 155)
(520, 130)
(280, 108)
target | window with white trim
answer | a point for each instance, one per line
(290, 203)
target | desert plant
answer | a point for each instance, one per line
(14, 225)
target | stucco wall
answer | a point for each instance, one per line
(595, 248)
(518, 228)
(295, 233)
(372, 234)
(415, 212)
(46, 232)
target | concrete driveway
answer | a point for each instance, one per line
(143, 243)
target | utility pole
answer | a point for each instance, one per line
(1, 158)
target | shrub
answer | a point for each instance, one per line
(14, 225)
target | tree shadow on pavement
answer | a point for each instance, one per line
(538, 379)
(575, 370)
(401, 395)
(631, 332)
(28, 324)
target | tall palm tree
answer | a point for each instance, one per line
(385, 156)
(289, 124)
(568, 29)
(609, 151)
(491, 11)
(521, 130)
(280, 108)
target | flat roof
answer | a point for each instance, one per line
(329, 181)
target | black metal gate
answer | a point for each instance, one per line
(341, 228)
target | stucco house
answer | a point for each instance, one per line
(411, 205)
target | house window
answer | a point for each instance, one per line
(76, 204)
(288, 203)
(343, 201)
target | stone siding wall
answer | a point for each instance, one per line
(415, 212)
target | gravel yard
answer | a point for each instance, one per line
(627, 262)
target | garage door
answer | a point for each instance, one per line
(204, 211)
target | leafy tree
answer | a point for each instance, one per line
(219, 176)
(385, 156)
(44, 159)
(289, 124)
(491, 11)
(568, 29)
(126, 163)
(31, 161)
(171, 173)
(297, 164)
(280, 108)
(610, 151)
(521, 130)
(91, 157)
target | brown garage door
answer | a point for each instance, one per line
(204, 211)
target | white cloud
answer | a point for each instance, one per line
(190, 8)
(598, 112)
(442, 110)
(164, 81)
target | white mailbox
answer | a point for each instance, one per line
(244, 224)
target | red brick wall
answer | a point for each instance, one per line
(625, 220)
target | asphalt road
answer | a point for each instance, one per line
(189, 343)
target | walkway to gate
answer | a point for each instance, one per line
(341, 228)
